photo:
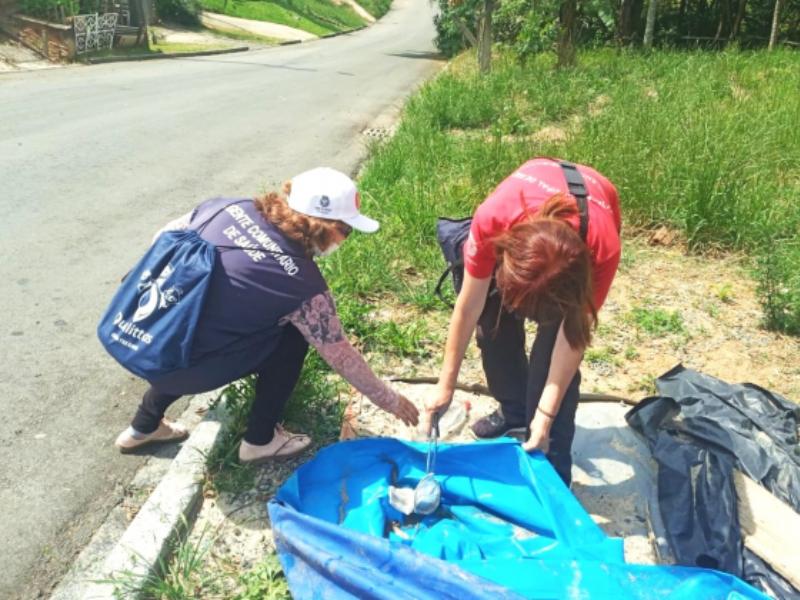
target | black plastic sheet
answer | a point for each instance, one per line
(699, 429)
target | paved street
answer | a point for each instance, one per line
(93, 160)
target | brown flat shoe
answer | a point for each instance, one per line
(168, 431)
(284, 445)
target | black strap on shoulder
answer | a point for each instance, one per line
(577, 187)
(438, 289)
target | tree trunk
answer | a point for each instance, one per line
(624, 22)
(773, 36)
(465, 31)
(737, 22)
(724, 18)
(649, 29)
(141, 9)
(485, 38)
(566, 34)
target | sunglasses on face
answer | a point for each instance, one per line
(344, 228)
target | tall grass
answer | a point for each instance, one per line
(703, 142)
(377, 8)
(315, 16)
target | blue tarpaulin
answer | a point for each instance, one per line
(507, 528)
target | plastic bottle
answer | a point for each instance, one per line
(451, 422)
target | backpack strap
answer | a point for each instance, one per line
(438, 290)
(577, 187)
(202, 225)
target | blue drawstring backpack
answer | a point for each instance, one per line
(149, 325)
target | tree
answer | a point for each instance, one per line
(485, 37)
(773, 36)
(737, 22)
(651, 23)
(481, 12)
(627, 17)
(566, 35)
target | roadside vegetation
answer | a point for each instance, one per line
(377, 8)
(702, 143)
(319, 17)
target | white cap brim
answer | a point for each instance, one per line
(362, 223)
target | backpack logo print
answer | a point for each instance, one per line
(153, 295)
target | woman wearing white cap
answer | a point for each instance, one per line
(265, 305)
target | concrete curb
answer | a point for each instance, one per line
(322, 37)
(338, 33)
(100, 60)
(169, 510)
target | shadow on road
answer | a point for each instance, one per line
(415, 54)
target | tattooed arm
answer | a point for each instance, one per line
(317, 321)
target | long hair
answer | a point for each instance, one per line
(544, 271)
(311, 232)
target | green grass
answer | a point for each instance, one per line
(157, 48)
(657, 321)
(601, 357)
(190, 574)
(725, 293)
(181, 578)
(245, 36)
(377, 8)
(319, 17)
(180, 48)
(265, 581)
(224, 474)
(704, 143)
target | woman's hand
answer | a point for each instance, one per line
(468, 308)
(405, 410)
(539, 439)
(437, 404)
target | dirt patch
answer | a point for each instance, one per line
(550, 134)
(719, 325)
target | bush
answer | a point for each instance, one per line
(377, 8)
(185, 12)
(49, 9)
(449, 39)
(779, 285)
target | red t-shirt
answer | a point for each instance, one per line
(533, 184)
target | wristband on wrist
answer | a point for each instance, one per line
(545, 413)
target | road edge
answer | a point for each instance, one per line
(101, 60)
(103, 567)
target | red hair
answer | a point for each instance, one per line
(544, 271)
(311, 232)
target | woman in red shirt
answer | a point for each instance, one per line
(533, 253)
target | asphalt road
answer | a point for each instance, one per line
(93, 160)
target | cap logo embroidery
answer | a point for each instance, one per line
(324, 202)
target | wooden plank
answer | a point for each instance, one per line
(770, 527)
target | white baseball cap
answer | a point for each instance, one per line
(329, 194)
